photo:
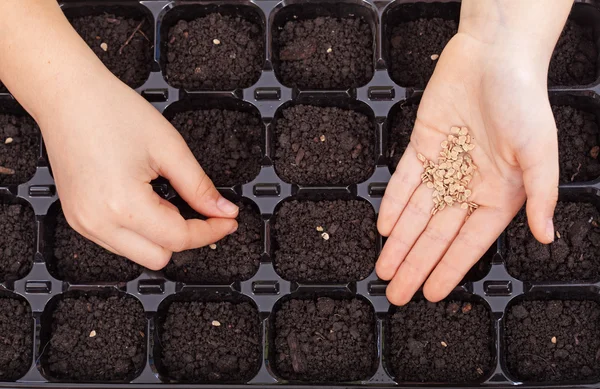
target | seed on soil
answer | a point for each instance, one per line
(104, 46)
(479, 371)
(329, 50)
(8, 141)
(319, 228)
(325, 236)
(553, 340)
(444, 344)
(558, 234)
(92, 334)
(467, 308)
(7, 171)
(216, 323)
(322, 138)
(434, 57)
(216, 42)
(212, 246)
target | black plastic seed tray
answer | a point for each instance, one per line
(489, 283)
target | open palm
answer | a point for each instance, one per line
(504, 103)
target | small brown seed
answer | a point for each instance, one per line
(464, 206)
(322, 138)
(553, 340)
(92, 334)
(430, 185)
(216, 323)
(325, 236)
(329, 50)
(212, 246)
(467, 308)
(444, 344)
(453, 130)
(558, 234)
(104, 46)
(421, 157)
(434, 57)
(319, 228)
(216, 41)
(8, 141)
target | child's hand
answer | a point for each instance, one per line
(497, 90)
(105, 147)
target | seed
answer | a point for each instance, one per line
(8, 141)
(464, 206)
(325, 236)
(216, 41)
(434, 57)
(444, 344)
(212, 246)
(322, 138)
(479, 371)
(463, 131)
(430, 185)
(421, 157)
(467, 308)
(319, 228)
(104, 46)
(454, 130)
(553, 340)
(216, 323)
(92, 334)
(329, 50)
(558, 234)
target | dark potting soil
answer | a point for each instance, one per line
(95, 338)
(444, 342)
(553, 341)
(210, 341)
(226, 143)
(412, 44)
(235, 257)
(215, 52)
(303, 254)
(399, 131)
(19, 148)
(575, 57)
(17, 241)
(574, 256)
(324, 145)
(325, 53)
(578, 144)
(79, 260)
(128, 44)
(16, 338)
(325, 340)
(3, 88)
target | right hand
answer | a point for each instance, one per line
(105, 145)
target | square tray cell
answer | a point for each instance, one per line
(414, 35)
(213, 46)
(446, 342)
(325, 241)
(208, 341)
(17, 240)
(399, 126)
(19, 144)
(575, 57)
(16, 337)
(225, 136)
(234, 258)
(73, 258)
(324, 45)
(324, 339)
(93, 337)
(573, 256)
(324, 143)
(553, 341)
(121, 36)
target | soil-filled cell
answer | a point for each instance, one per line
(324, 146)
(3, 88)
(325, 340)
(210, 342)
(325, 241)
(215, 52)
(95, 338)
(575, 57)
(553, 341)
(573, 256)
(124, 45)
(226, 143)
(325, 53)
(78, 260)
(17, 241)
(415, 47)
(578, 144)
(450, 342)
(16, 338)
(19, 148)
(234, 258)
(400, 127)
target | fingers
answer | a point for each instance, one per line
(138, 249)
(177, 164)
(476, 236)
(425, 254)
(411, 224)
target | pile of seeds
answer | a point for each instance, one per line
(451, 176)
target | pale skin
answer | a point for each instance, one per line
(106, 144)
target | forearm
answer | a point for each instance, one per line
(43, 61)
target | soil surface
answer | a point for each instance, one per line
(128, 59)
(412, 45)
(578, 144)
(20, 154)
(325, 340)
(3, 88)
(445, 342)
(302, 254)
(16, 338)
(575, 57)
(96, 338)
(215, 52)
(574, 256)
(211, 341)
(325, 53)
(79, 260)
(324, 145)
(235, 258)
(399, 131)
(17, 241)
(226, 143)
(553, 341)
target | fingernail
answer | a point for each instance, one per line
(226, 206)
(234, 229)
(550, 230)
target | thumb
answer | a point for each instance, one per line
(540, 177)
(177, 164)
